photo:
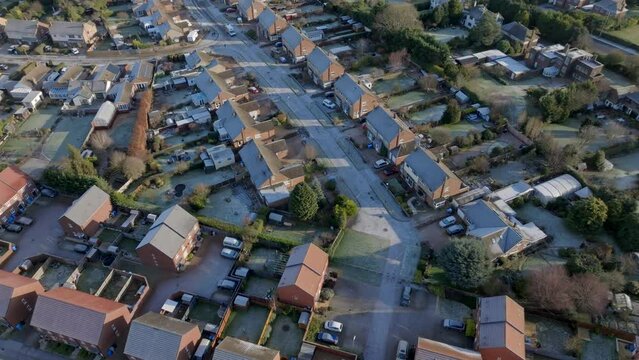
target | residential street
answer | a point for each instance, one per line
(379, 213)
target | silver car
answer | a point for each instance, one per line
(230, 254)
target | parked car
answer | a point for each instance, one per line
(230, 254)
(226, 284)
(454, 324)
(329, 94)
(23, 220)
(13, 49)
(230, 10)
(81, 248)
(455, 229)
(381, 163)
(232, 243)
(402, 350)
(13, 228)
(48, 192)
(391, 171)
(253, 90)
(405, 300)
(3, 67)
(327, 338)
(282, 59)
(75, 51)
(328, 103)
(333, 325)
(447, 221)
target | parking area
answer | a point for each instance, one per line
(434, 236)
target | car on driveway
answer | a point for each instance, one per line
(327, 338)
(48, 192)
(329, 104)
(447, 221)
(454, 324)
(455, 229)
(333, 325)
(230, 254)
(13, 228)
(75, 51)
(23, 220)
(381, 163)
(402, 350)
(391, 171)
(226, 284)
(253, 90)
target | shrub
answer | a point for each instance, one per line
(331, 185)
(326, 294)
(584, 262)
(588, 215)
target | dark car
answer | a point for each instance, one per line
(13, 228)
(455, 229)
(391, 171)
(327, 338)
(405, 300)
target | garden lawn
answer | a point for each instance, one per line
(362, 251)
(630, 34)
(247, 324)
(393, 83)
(286, 336)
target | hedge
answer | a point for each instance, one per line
(619, 40)
(265, 238)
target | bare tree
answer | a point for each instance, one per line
(310, 152)
(440, 136)
(587, 135)
(550, 288)
(397, 17)
(397, 59)
(133, 167)
(479, 164)
(614, 131)
(533, 127)
(589, 293)
(428, 82)
(116, 160)
(181, 167)
(100, 140)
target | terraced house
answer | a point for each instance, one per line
(250, 9)
(390, 137)
(17, 192)
(154, 337)
(270, 25)
(18, 296)
(355, 100)
(323, 68)
(296, 44)
(236, 126)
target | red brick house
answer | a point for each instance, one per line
(84, 216)
(500, 329)
(17, 191)
(18, 296)
(171, 338)
(303, 277)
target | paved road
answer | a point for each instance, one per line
(615, 45)
(379, 213)
(11, 349)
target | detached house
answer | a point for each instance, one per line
(297, 45)
(519, 34)
(213, 90)
(270, 25)
(236, 126)
(355, 100)
(76, 318)
(303, 276)
(17, 192)
(390, 136)
(433, 181)
(170, 239)
(323, 68)
(18, 296)
(250, 9)
(26, 31)
(60, 88)
(84, 216)
(156, 337)
(614, 8)
(500, 329)
(473, 16)
(32, 80)
(141, 75)
(78, 34)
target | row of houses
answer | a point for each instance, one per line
(62, 33)
(614, 8)
(153, 17)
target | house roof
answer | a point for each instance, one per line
(233, 118)
(74, 314)
(17, 29)
(106, 72)
(9, 283)
(485, 221)
(305, 269)
(517, 30)
(83, 209)
(292, 38)
(169, 231)
(178, 219)
(301, 277)
(512, 191)
(501, 325)
(349, 88)
(261, 163)
(141, 71)
(319, 60)
(385, 124)
(31, 96)
(268, 18)
(12, 180)
(35, 75)
(309, 255)
(428, 349)
(209, 84)
(432, 173)
(165, 333)
(67, 28)
(245, 5)
(235, 349)
(197, 58)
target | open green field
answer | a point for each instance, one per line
(362, 251)
(630, 34)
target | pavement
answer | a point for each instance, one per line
(379, 213)
(617, 46)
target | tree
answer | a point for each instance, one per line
(100, 140)
(339, 217)
(346, 203)
(133, 167)
(549, 288)
(589, 293)
(486, 32)
(587, 134)
(398, 17)
(479, 164)
(197, 199)
(455, 9)
(466, 262)
(428, 82)
(76, 164)
(438, 15)
(587, 215)
(452, 115)
(628, 233)
(599, 160)
(303, 202)
(181, 167)
(397, 59)
(504, 46)
(614, 130)
(584, 262)
(116, 160)
(137, 144)
(326, 294)
(440, 136)
(533, 127)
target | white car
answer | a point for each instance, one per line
(381, 163)
(334, 326)
(75, 51)
(447, 221)
(329, 104)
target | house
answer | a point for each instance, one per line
(17, 192)
(81, 93)
(104, 117)
(25, 31)
(613, 8)
(60, 88)
(517, 33)
(270, 25)
(629, 104)
(84, 216)
(500, 328)
(141, 75)
(271, 177)
(250, 9)
(32, 80)
(553, 189)
(170, 239)
(18, 296)
(473, 15)
(32, 100)
(303, 276)
(296, 44)
(389, 135)
(217, 157)
(146, 8)
(428, 349)
(213, 90)
(154, 337)
(236, 126)
(73, 34)
(355, 100)
(569, 4)
(124, 92)
(200, 59)
(73, 317)
(235, 349)
(323, 68)
(106, 72)
(496, 225)
(566, 62)
(431, 179)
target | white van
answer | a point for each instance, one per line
(230, 30)
(232, 243)
(402, 350)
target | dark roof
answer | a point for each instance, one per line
(163, 332)
(517, 30)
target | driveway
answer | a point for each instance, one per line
(43, 236)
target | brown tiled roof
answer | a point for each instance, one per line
(311, 256)
(12, 180)
(9, 282)
(75, 314)
(305, 268)
(428, 349)
(501, 325)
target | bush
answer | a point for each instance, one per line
(197, 200)
(588, 215)
(331, 185)
(584, 262)
(466, 262)
(326, 294)
(303, 202)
